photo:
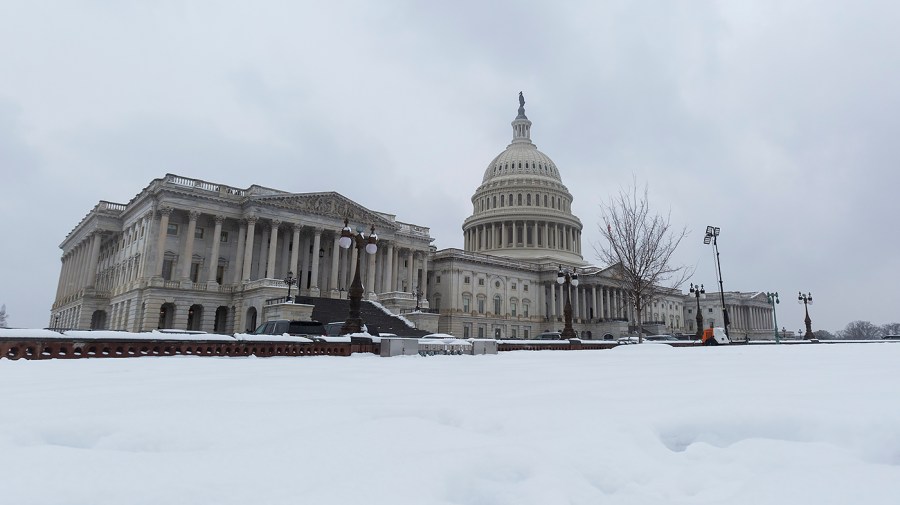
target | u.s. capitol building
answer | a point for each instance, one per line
(191, 254)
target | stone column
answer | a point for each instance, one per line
(303, 276)
(553, 301)
(424, 281)
(248, 248)
(295, 251)
(273, 246)
(161, 240)
(214, 253)
(534, 235)
(314, 281)
(335, 263)
(388, 269)
(239, 254)
(370, 276)
(410, 267)
(94, 258)
(576, 305)
(188, 254)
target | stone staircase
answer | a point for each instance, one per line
(328, 310)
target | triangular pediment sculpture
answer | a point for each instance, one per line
(330, 204)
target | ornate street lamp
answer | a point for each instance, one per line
(697, 291)
(773, 299)
(711, 233)
(567, 279)
(418, 293)
(353, 324)
(290, 280)
(806, 300)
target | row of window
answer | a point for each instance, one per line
(498, 333)
(468, 280)
(499, 169)
(173, 228)
(488, 203)
(498, 306)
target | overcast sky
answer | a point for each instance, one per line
(776, 121)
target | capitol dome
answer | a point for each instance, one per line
(522, 210)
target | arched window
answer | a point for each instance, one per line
(545, 200)
(528, 199)
(520, 199)
(494, 205)
(501, 200)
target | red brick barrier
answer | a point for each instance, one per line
(103, 348)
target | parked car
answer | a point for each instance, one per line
(297, 328)
(549, 335)
(333, 329)
(891, 337)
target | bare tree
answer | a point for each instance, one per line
(640, 244)
(861, 330)
(3, 316)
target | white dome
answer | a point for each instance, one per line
(522, 209)
(519, 159)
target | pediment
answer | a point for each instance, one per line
(330, 204)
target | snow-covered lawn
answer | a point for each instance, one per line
(638, 424)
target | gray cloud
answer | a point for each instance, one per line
(776, 122)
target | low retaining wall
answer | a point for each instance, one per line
(73, 349)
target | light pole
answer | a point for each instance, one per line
(773, 300)
(353, 324)
(418, 293)
(290, 280)
(806, 300)
(697, 291)
(566, 278)
(711, 233)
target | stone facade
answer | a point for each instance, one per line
(191, 254)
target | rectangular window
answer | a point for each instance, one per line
(481, 332)
(466, 304)
(467, 280)
(512, 309)
(467, 330)
(195, 272)
(512, 333)
(690, 311)
(142, 231)
(525, 334)
(223, 237)
(481, 306)
(198, 233)
(481, 282)
(220, 273)
(513, 285)
(437, 279)
(525, 287)
(172, 229)
(525, 310)
(710, 310)
(167, 270)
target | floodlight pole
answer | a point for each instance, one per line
(711, 233)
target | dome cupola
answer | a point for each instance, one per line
(522, 209)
